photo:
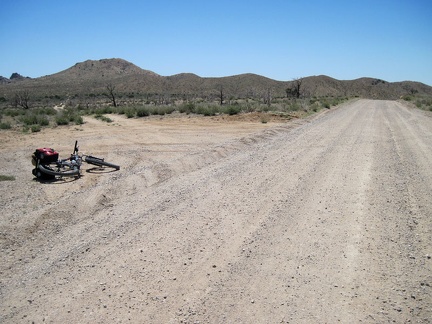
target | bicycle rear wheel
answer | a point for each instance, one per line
(60, 172)
(100, 162)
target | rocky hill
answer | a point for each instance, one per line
(90, 78)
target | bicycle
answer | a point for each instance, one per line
(48, 166)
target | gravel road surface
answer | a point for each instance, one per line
(322, 220)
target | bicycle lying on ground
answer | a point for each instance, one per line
(48, 166)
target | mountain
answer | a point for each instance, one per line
(91, 77)
(4, 80)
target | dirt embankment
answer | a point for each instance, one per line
(311, 221)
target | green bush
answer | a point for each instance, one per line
(315, 106)
(121, 110)
(78, 120)
(14, 112)
(232, 110)
(45, 111)
(105, 110)
(326, 104)
(164, 110)
(206, 110)
(103, 118)
(6, 178)
(42, 120)
(188, 108)
(29, 119)
(62, 119)
(5, 125)
(35, 128)
(142, 112)
(130, 113)
(293, 106)
(67, 116)
(32, 118)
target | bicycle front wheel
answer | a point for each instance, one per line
(100, 162)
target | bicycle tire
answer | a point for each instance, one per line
(68, 173)
(100, 162)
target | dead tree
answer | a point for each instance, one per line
(111, 93)
(22, 99)
(294, 90)
(221, 95)
(268, 97)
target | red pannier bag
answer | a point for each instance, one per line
(46, 155)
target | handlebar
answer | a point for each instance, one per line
(75, 151)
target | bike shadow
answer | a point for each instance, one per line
(64, 180)
(100, 170)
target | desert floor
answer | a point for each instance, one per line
(224, 220)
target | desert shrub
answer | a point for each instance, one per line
(315, 106)
(207, 110)
(5, 125)
(78, 120)
(326, 104)
(14, 112)
(67, 116)
(45, 111)
(82, 108)
(35, 128)
(250, 107)
(43, 120)
(62, 119)
(106, 110)
(232, 110)
(50, 111)
(121, 110)
(188, 108)
(165, 110)
(28, 119)
(130, 112)
(154, 110)
(142, 112)
(103, 118)
(6, 177)
(293, 106)
(265, 108)
(34, 117)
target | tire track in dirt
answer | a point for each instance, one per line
(324, 222)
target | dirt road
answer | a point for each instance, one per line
(319, 221)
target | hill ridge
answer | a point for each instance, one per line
(92, 76)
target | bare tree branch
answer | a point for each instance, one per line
(111, 94)
(221, 95)
(294, 90)
(22, 99)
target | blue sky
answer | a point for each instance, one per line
(282, 40)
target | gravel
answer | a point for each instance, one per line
(319, 220)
